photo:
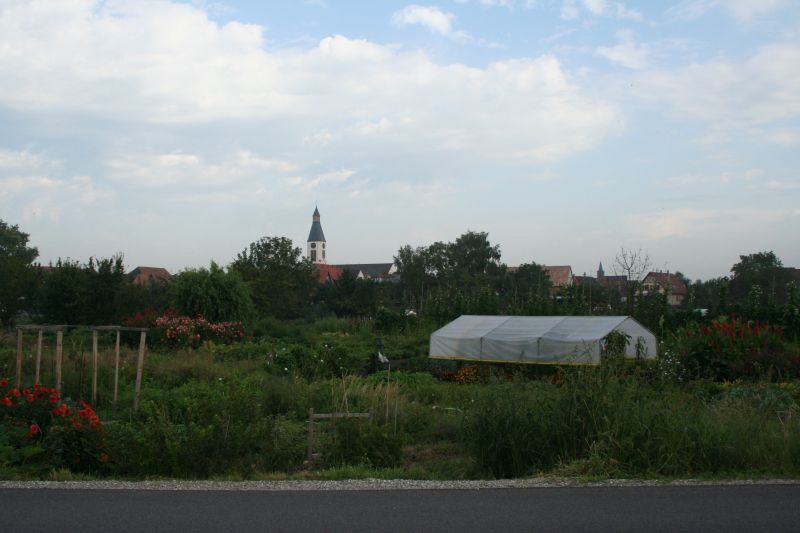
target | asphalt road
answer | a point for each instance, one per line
(694, 508)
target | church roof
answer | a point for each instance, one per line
(316, 235)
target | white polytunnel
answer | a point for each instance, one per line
(537, 339)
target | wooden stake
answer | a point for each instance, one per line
(310, 436)
(94, 367)
(139, 367)
(116, 369)
(59, 354)
(19, 358)
(38, 357)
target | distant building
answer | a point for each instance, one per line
(142, 275)
(560, 276)
(662, 282)
(316, 241)
(377, 271)
(317, 253)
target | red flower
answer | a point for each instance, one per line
(30, 398)
(3, 382)
(33, 430)
(103, 457)
(6, 401)
(15, 392)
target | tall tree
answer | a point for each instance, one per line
(281, 281)
(211, 293)
(17, 274)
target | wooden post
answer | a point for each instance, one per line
(19, 358)
(94, 367)
(116, 369)
(38, 358)
(310, 436)
(139, 367)
(59, 353)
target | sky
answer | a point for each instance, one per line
(177, 133)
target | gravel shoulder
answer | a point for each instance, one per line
(374, 484)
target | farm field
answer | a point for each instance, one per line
(241, 411)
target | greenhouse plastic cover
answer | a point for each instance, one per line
(536, 339)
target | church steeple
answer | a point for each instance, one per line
(600, 273)
(316, 240)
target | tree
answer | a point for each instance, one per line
(17, 274)
(212, 293)
(764, 269)
(472, 254)
(633, 264)
(281, 281)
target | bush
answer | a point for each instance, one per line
(202, 429)
(352, 441)
(40, 431)
(184, 332)
(733, 348)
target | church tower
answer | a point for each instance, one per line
(316, 241)
(600, 273)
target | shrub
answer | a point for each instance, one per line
(186, 332)
(206, 428)
(352, 441)
(733, 348)
(41, 431)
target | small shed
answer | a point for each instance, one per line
(537, 339)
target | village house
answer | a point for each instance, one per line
(662, 282)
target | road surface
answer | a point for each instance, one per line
(661, 508)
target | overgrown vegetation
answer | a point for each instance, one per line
(239, 355)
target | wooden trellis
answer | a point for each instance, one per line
(59, 331)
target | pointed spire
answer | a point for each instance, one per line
(316, 234)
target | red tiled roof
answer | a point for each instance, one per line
(146, 275)
(560, 276)
(326, 273)
(666, 280)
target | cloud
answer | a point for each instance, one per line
(627, 53)
(705, 224)
(569, 10)
(596, 7)
(741, 10)
(23, 159)
(162, 63)
(431, 17)
(733, 98)
(599, 8)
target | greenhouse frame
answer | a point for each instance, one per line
(538, 339)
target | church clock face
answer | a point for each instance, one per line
(313, 245)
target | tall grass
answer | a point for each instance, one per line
(597, 424)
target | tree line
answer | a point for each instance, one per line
(270, 279)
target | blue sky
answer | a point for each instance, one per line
(179, 132)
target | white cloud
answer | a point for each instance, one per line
(596, 7)
(733, 98)
(705, 224)
(627, 53)
(599, 8)
(569, 10)
(21, 160)
(162, 63)
(741, 10)
(623, 12)
(431, 17)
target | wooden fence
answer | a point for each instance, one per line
(59, 331)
